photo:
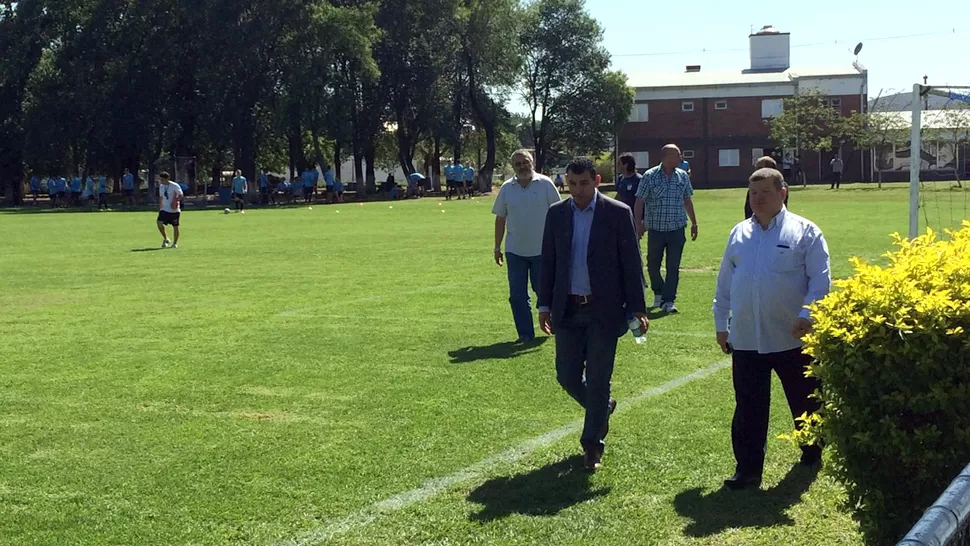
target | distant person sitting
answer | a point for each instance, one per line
(765, 162)
(338, 190)
(560, 185)
(416, 184)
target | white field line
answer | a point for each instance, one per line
(434, 486)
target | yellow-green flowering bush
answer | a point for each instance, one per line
(893, 354)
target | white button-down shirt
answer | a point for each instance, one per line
(524, 210)
(767, 278)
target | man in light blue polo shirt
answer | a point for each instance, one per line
(76, 190)
(449, 181)
(239, 187)
(128, 185)
(90, 190)
(62, 191)
(469, 179)
(520, 211)
(663, 205)
(102, 193)
(309, 176)
(34, 187)
(263, 187)
(458, 171)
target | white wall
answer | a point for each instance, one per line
(839, 85)
(718, 92)
(770, 51)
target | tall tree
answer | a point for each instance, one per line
(24, 30)
(565, 62)
(807, 122)
(413, 56)
(492, 63)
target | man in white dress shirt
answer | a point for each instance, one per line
(775, 264)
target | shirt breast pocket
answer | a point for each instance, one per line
(787, 260)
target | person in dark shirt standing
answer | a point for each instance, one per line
(628, 181)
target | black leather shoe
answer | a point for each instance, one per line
(606, 427)
(739, 481)
(592, 459)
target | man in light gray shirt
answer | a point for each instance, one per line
(837, 166)
(776, 263)
(520, 210)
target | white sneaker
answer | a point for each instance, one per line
(669, 307)
(165, 243)
(657, 300)
(175, 245)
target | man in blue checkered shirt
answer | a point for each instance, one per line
(661, 211)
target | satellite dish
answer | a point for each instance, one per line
(858, 48)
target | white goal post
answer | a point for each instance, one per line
(916, 145)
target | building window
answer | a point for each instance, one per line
(688, 154)
(642, 159)
(687, 107)
(756, 154)
(729, 158)
(640, 113)
(720, 105)
(771, 108)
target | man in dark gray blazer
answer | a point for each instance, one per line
(590, 284)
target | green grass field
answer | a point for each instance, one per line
(344, 375)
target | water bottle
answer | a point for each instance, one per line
(638, 334)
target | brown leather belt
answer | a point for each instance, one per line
(579, 301)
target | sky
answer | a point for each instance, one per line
(647, 37)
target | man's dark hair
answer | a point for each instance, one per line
(581, 165)
(164, 175)
(629, 161)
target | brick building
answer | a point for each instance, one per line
(719, 118)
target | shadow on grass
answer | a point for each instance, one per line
(726, 509)
(542, 492)
(498, 351)
(657, 313)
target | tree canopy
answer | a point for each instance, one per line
(104, 85)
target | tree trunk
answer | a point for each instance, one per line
(359, 174)
(294, 140)
(336, 160)
(436, 165)
(370, 153)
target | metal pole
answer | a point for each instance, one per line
(915, 162)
